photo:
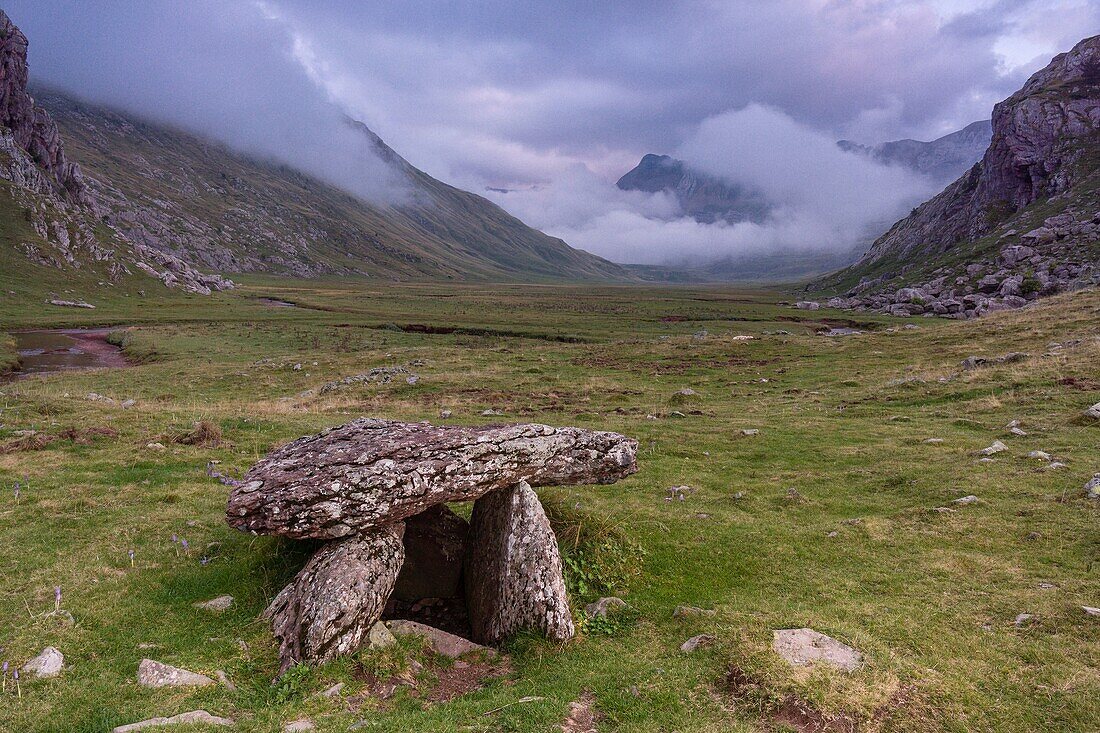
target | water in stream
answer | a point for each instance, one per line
(71, 349)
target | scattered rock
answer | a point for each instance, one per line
(1091, 611)
(333, 691)
(692, 612)
(224, 679)
(191, 718)
(696, 642)
(1039, 455)
(1018, 432)
(1022, 619)
(750, 431)
(155, 446)
(157, 674)
(445, 414)
(964, 500)
(441, 642)
(299, 726)
(807, 305)
(47, 664)
(678, 493)
(72, 303)
(217, 605)
(380, 636)
(604, 606)
(803, 647)
(1093, 412)
(491, 413)
(996, 447)
(1092, 488)
(932, 441)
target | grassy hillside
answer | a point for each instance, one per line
(824, 519)
(230, 213)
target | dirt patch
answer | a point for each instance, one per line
(464, 677)
(1080, 383)
(85, 436)
(24, 443)
(40, 441)
(437, 683)
(582, 715)
(751, 693)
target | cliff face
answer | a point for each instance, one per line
(31, 127)
(1022, 223)
(1045, 138)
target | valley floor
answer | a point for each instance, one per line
(825, 518)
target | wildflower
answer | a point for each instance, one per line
(18, 689)
(186, 547)
(57, 598)
(131, 558)
(4, 685)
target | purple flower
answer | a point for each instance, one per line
(174, 538)
(57, 597)
(186, 546)
(5, 667)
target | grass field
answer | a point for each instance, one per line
(854, 551)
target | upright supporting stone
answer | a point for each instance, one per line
(329, 608)
(513, 569)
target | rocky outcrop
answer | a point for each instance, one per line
(61, 205)
(999, 249)
(363, 484)
(372, 472)
(514, 569)
(31, 127)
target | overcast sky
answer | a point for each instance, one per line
(552, 98)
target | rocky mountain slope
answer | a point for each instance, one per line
(1023, 222)
(943, 159)
(101, 194)
(705, 198)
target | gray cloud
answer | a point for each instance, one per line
(559, 100)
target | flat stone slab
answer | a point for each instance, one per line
(449, 645)
(192, 718)
(157, 674)
(217, 605)
(803, 647)
(372, 472)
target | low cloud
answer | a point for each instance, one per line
(823, 199)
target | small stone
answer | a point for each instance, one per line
(1034, 536)
(1018, 432)
(685, 392)
(794, 495)
(47, 664)
(1092, 488)
(224, 679)
(833, 533)
(932, 441)
(996, 447)
(1054, 466)
(692, 612)
(750, 431)
(444, 414)
(380, 637)
(604, 606)
(1047, 586)
(1091, 611)
(333, 691)
(803, 647)
(155, 446)
(157, 674)
(217, 605)
(127, 404)
(298, 726)
(676, 414)
(986, 460)
(696, 642)
(1039, 455)
(193, 717)
(1093, 412)
(459, 664)
(491, 413)
(964, 500)
(1022, 619)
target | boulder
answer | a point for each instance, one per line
(807, 305)
(330, 606)
(372, 472)
(514, 576)
(804, 647)
(48, 663)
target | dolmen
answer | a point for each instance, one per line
(375, 491)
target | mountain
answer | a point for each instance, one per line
(703, 197)
(107, 195)
(943, 159)
(1022, 222)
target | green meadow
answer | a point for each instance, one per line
(826, 518)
